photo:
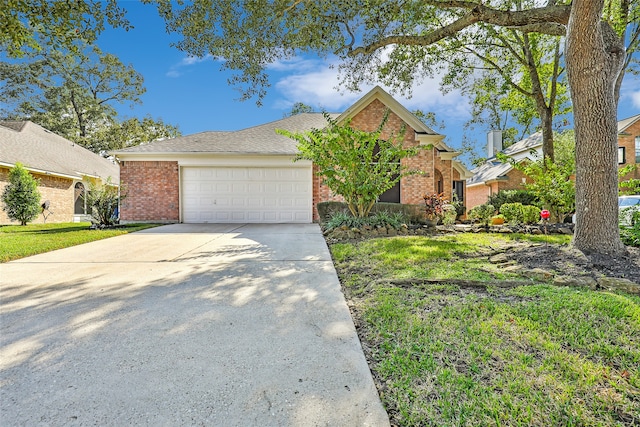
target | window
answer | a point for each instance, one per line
(637, 149)
(621, 156)
(458, 190)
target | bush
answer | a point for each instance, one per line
(450, 214)
(21, 198)
(482, 213)
(631, 235)
(512, 212)
(530, 214)
(413, 214)
(103, 200)
(377, 219)
(523, 197)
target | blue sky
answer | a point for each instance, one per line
(194, 94)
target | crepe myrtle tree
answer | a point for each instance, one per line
(355, 164)
(21, 198)
(397, 42)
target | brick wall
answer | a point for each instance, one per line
(152, 191)
(479, 194)
(412, 188)
(628, 142)
(59, 191)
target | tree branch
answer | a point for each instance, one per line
(546, 19)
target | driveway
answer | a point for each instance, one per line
(220, 325)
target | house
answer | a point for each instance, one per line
(629, 145)
(493, 175)
(63, 169)
(249, 175)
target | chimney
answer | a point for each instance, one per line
(494, 143)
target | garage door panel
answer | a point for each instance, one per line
(241, 194)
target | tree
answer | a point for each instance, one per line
(70, 94)
(73, 96)
(29, 25)
(119, 135)
(21, 198)
(354, 164)
(299, 108)
(371, 37)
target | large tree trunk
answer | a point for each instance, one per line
(546, 118)
(595, 55)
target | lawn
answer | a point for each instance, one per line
(20, 241)
(530, 355)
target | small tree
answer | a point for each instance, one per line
(103, 200)
(355, 164)
(21, 198)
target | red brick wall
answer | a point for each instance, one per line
(628, 142)
(412, 188)
(152, 191)
(479, 194)
(59, 192)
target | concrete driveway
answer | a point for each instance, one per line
(217, 325)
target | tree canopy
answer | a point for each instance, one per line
(27, 26)
(357, 165)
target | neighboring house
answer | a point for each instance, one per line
(63, 169)
(493, 175)
(629, 145)
(250, 176)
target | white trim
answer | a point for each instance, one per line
(42, 172)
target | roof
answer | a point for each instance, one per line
(494, 169)
(625, 123)
(261, 139)
(41, 150)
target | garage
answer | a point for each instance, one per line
(218, 194)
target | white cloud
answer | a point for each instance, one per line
(320, 88)
(635, 99)
(176, 69)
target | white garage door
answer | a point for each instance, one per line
(246, 194)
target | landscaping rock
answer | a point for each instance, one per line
(499, 259)
(618, 284)
(576, 281)
(564, 230)
(538, 274)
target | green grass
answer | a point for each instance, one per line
(534, 355)
(20, 241)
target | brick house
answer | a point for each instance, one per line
(63, 169)
(629, 145)
(250, 176)
(494, 176)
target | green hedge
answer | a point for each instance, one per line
(413, 213)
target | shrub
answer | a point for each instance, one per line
(524, 197)
(434, 206)
(530, 214)
(450, 214)
(482, 213)
(103, 200)
(413, 214)
(512, 212)
(377, 219)
(21, 198)
(631, 235)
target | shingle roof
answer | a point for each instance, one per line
(40, 149)
(625, 123)
(261, 139)
(494, 168)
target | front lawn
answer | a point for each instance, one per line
(20, 241)
(444, 354)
